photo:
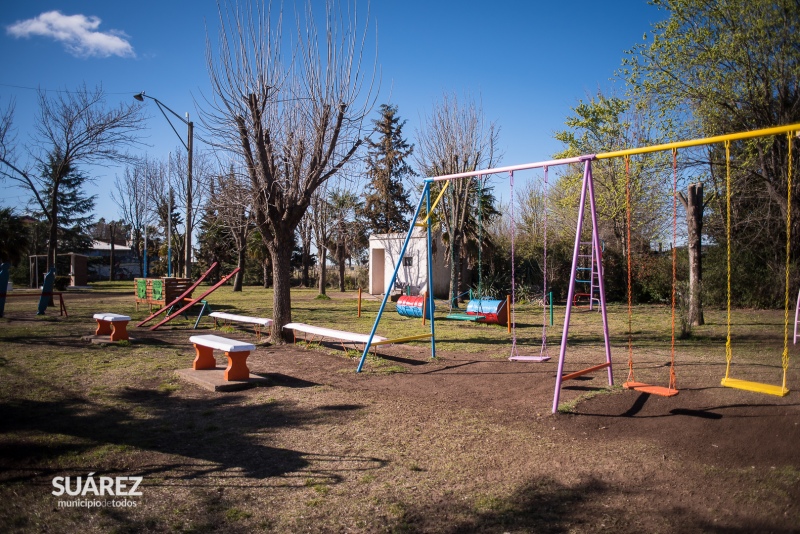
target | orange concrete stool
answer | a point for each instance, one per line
(113, 325)
(236, 351)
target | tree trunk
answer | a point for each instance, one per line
(112, 235)
(137, 241)
(323, 270)
(304, 281)
(282, 279)
(340, 258)
(239, 278)
(111, 262)
(53, 235)
(455, 267)
(305, 258)
(265, 266)
(693, 204)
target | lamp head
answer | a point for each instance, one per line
(139, 96)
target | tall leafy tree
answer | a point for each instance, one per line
(386, 202)
(722, 67)
(604, 124)
(14, 237)
(63, 187)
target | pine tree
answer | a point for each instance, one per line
(386, 202)
(14, 237)
(214, 243)
(74, 208)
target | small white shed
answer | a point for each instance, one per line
(384, 254)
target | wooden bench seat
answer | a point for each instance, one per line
(330, 333)
(236, 352)
(113, 325)
(258, 322)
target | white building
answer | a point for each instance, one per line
(384, 254)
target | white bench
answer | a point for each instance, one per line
(258, 322)
(113, 325)
(236, 351)
(339, 335)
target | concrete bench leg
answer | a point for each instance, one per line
(204, 358)
(119, 331)
(237, 365)
(103, 328)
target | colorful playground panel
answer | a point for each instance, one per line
(159, 291)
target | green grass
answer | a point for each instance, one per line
(650, 327)
(569, 407)
(71, 405)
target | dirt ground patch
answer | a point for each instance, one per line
(461, 444)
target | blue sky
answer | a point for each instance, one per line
(528, 62)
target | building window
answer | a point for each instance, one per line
(408, 261)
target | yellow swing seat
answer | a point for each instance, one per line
(758, 387)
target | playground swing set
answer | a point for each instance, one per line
(587, 193)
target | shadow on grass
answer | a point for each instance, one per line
(221, 436)
(407, 361)
(287, 381)
(549, 506)
(710, 413)
(541, 506)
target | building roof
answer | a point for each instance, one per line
(418, 234)
(102, 245)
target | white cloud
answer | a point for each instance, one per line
(78, 33)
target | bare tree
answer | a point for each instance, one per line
(455, 139)
(111, 231)
(129, 194)
(204, 169)
(306, 231)
(694, 206)
(78, 128)
(295, 117)
(8, 138)
(321, 222)
(234, 213)
(345, 206)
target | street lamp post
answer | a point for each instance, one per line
(169, 216)
(188, 145)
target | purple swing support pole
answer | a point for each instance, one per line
(587, 185)
(600, 282)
